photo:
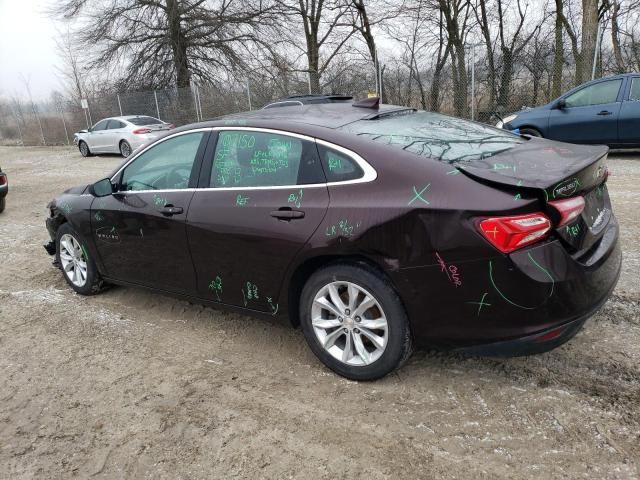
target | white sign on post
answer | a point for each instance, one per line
(84, 103)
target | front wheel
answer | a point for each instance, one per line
(3, 202)
(78, 268)
(354, 321)
(84, 149)
(532, 132)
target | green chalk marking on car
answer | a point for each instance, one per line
(418, 195)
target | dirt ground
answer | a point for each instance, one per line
(130, 384)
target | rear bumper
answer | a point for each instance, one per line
(508, 303)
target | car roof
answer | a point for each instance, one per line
(328, 115)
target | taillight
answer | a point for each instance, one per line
(568, 208)
(138, 131)
(3, 179)
(511, 233)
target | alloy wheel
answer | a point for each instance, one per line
(73, 260)
(125, 149)
(84, 150)
(349, 323)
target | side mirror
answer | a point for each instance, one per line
(101, 188)
(560, 104)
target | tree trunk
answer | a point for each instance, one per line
(615, 38)
(178, 44)
(505, 78)
(589, 40)
(558, 58)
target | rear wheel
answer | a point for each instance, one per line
(354, 322)
(532, 132)
(125, 148)
(84, 149)
(78, 268)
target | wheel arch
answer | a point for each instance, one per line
(309, 266)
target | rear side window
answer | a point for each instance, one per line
(603, 92)
(144, 120)
(635, 89)
(114, 124)
(337, 166)
(260, 159)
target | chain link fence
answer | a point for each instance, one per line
(482, 90)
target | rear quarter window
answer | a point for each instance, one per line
(337, 166)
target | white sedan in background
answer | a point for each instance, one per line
(120, 134)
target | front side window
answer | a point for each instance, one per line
(101, 125)
(436, 136)
(635, 89)
(165, 166)
(603, 92)
(260, 159)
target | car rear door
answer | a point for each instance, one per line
(590, 116)
(110, 136)
(140, 230)
(629, 120)
(261, 195)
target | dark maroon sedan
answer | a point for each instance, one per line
(374, 228)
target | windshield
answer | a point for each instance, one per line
(144, 120)
(436, 136)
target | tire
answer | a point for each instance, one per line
(3, 202)
(84, 149)
(71, 241)
(532, 132)
(348, 331)
(125, 148)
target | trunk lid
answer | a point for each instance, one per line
(554, 171)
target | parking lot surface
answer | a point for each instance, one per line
(131, 384)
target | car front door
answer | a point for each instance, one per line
(629, 120)
(590, 116)
(262, 193)
(95, 138)
(140, 229)
(110, 136)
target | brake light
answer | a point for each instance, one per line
(511, 233)
(569, 209)
(139, 131)
(3, 179)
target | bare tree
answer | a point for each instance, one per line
(327, 30)
(583, 46)
(158, 43)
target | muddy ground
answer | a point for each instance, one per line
(130, 384)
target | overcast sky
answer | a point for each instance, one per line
(27, 46)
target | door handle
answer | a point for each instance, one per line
(604, 112)
(169, 210)
(286, 213)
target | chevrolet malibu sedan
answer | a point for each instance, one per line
(604, 111)
(375, 228)
(119, 135)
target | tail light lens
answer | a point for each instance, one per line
(569, 209)
(3, 179)
(139, 131)
(511, 233)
